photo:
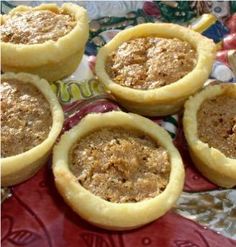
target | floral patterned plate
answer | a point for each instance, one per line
(34, 214)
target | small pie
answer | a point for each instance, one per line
(151, 69)
(31, 120)
(210, 129)
(46, 40)
(118, 170)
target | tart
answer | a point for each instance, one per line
(152, 69)
(49, 41)
(118, 170)
(210, 129)
(31, 120)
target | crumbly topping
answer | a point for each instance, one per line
(217, 124)
(36, 27)
(150, 62)
(120, 165)
(25, 117)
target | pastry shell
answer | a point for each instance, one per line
(105, 214)
(167, 99)
(18, 168)
(211, 162)
(51, 60)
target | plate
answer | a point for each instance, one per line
(34, 214)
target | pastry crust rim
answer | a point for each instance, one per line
(206, 53)
(32, 55)
(53, 71)
(108, 215)
(203, 155)
(15, 163)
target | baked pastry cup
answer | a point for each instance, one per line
(98, 211)
(18, 168)
(51, 60)
(211, 162)
(167, 99)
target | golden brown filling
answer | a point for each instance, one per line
(25, 117)
(217, 124)
(150, 62)
(120, 165)
(35, 27)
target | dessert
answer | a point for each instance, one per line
(152, 69)
(210, 129)
(46, 40)
(113, 167)
(109, 165)
(31, 120)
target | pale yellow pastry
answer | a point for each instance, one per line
(31, 120)
(46, 40)
(210, 129)
(118, 170)
(152, 69)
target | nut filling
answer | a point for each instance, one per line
(151, 62)
(120, 165)
(25, 117)
(35, 27)
(217, 124)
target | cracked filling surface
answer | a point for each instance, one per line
(120, 165)
(36, 27)
(26, 118)
(217, 124)
(150, 62)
